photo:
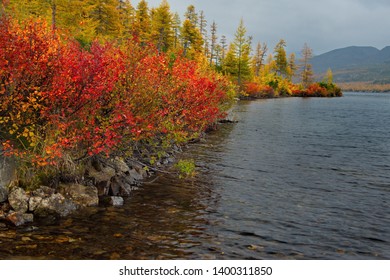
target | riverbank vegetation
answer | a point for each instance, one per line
(81, 80)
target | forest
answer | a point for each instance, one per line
(103, 78)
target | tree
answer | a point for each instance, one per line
(281, 58)
(191, 37)
(213, 42)
(306, 68)
(106, 16)
(126, 13)
(329, 77)
(162, 27)
(242, 47)
(142, 24)
(292, 67)
(258, 58)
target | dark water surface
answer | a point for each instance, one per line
(294, 179)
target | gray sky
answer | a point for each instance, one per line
(324, 24)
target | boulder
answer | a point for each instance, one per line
(33, 202)
(83, 196)
(3, 193)
(18, 199)
(120, 165)
(55, 205)
(7, 175)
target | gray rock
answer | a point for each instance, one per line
(116, 201)
(55, 205)
(43, 192)
(7, 175)
(3, 193)
(120, 165)
(19, 219)
(83, 196)
(103, 188)
(136, 175)
(104, 175)
(18, 199)
(33, 202)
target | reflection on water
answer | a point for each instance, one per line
(294, 179)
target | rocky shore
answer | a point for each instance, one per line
(105, 182)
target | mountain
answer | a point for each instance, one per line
(355, 64)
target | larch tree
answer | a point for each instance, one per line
(258, 58)
(242, 46)
(281, 58)
(162, 27)
(291, 67)
(106, 16)
(191, 37)
(213, 42)
(142, 24)
(306, 68)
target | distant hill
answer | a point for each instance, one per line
(355, 64)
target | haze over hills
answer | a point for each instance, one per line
(355, 64)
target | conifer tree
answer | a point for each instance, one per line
(292, 67)
(142, 24)
(281, 58)
(258, 58)
(306, 68)
(162, 27)
(106, 17)
(242, 46)
(213, 42)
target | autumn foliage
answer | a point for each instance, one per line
(60, 102)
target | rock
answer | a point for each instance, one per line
(18, 218)
(3, 193)
(43, 192)
(104, 175)
(55, 205)
(140, 170)
(113, 201)
(117, 201)
(103, 188)
(33, 202)
(120, 165)
(136, 175)
(7, 175)
(122, 185)
(83, 196)
(18, 199)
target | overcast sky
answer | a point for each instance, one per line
(324, 24)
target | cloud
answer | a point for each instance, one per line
(323, 24)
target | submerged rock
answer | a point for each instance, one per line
(112, 201)
(19, 219)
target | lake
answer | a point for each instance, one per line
(295, 178)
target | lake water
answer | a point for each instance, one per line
(293, 179)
